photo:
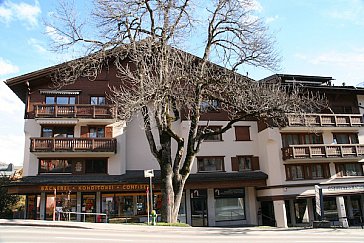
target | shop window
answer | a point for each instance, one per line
(50, 206)
(55, 166)
(349, 169)
(33, 206)
(301, 138)
(207, 164)
(60, 100)
(242, 133)
(216, 137)
(330, 209)
(307, 171)
(229, 204)
(96, 166)
(141, 205)
(98, 100)
(346, 138)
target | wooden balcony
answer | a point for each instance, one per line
(314, 151)
(74, 111)
(329, 120)
(73, 145)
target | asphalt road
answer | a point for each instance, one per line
(129, 233)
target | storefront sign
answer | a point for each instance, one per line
(84, 188)
(346, 188)
(229, 193)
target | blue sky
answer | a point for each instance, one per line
(314, 37)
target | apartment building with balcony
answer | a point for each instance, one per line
(81, 159)
(324, 149)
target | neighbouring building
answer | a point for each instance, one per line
(78, 157)
(329, 153)
(6, 169)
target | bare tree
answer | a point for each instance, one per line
(166, 84)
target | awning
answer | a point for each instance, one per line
(61, 121)
(60, 92)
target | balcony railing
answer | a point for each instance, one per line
(322, 120)
(314, 151)
(73, 145)
(79, 111)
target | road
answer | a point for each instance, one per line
(129, 233)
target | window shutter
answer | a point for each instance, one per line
(84, 132)
(234, 164)
(255, 163)
(108, 132)
(242, 133)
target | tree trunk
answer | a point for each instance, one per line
(171, 184)
(171, 195)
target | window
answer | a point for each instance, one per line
(96, 132)
(242, 133)
(209, 105)
(229, 204)
(294, 172)
(98, 100)
(55, 166)
(244, 163)
(346, 138)
(96, 166)
(217, 137)
(307, 171)
(301, 138)
(342, 110)
(349, 169)
(57, 132)
(210, 164)
(60, 100)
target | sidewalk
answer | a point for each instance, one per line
(108, 226)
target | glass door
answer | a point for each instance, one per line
(88, 207)
(355, 219)
(199, 212)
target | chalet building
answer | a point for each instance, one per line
(79, 157)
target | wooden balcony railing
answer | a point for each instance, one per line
(322, 120)
(73, 145)
(79, 110)
(313, 151)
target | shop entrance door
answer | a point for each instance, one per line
(88, 206)
(268, 218)
(199, 212)
(356, 219)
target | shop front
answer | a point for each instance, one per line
(214, 199)
(343, 206)
(87, 202)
